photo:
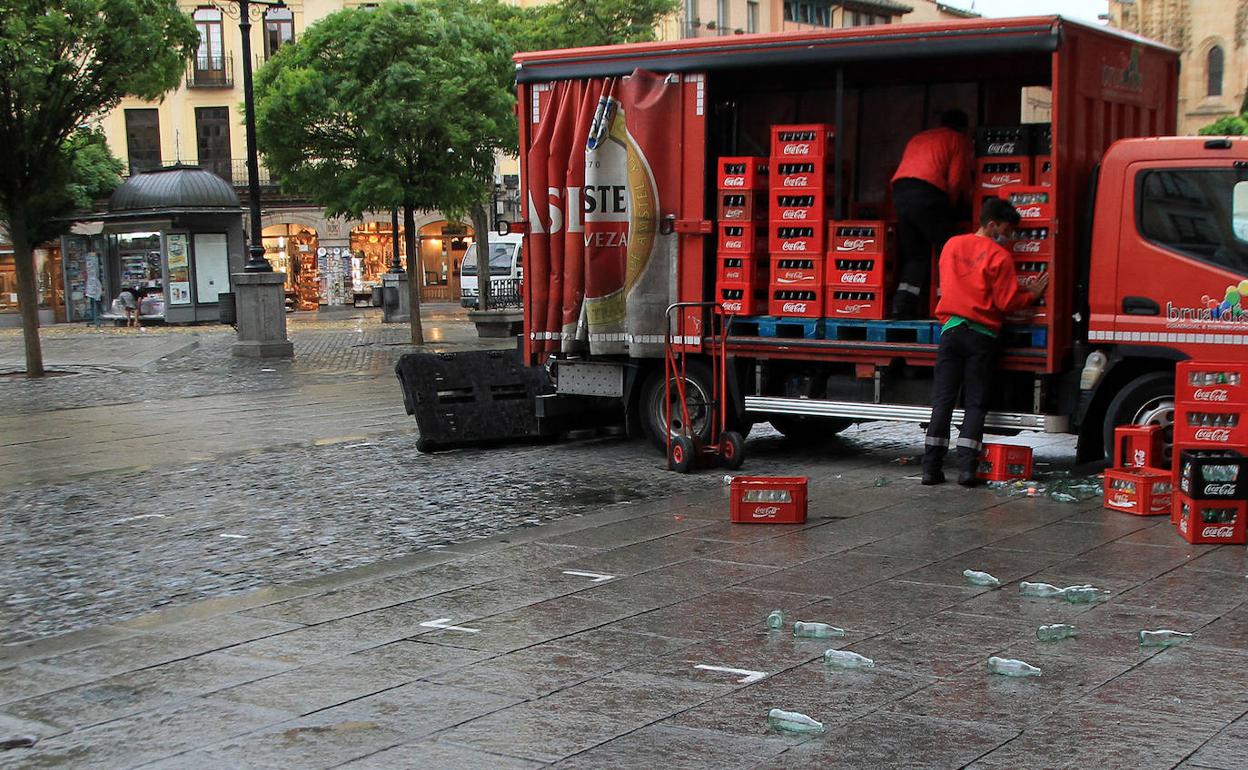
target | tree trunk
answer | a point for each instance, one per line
(415, 273)
(481, 235)
(27, 294)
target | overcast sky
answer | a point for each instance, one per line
(1075, 9)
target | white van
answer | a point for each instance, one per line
(505, 272)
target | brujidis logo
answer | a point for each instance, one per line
(1231, 308)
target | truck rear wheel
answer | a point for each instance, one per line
(808, 430)
(1146, 400)
(652, 406)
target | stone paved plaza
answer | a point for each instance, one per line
(315, 597)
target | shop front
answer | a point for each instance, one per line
(442, 248)
(49, 285)
(372, 252)
(292, 249)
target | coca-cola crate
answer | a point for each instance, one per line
(807, 140)
(1139, 446)
(1004, 462)
(857, 237)
(1198, 382)
(742, 238)
(1042, 170)
(1002, 141)
(799, 175)
(865, 302)
(1220, 474)
(806, 302)
(847, 271)
(1041, 138)
(1032, 239)
(741, 206)
(741, 269)
(1033, 203)
(1211, 521)
(797, 206)
(796, 238)
(1028, 272)
(768, 499)
(742, 173)
(1141, 491)
(1210, 424)
(796, 272)
(994, 173)
(742, 298)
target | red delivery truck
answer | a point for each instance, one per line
(634, 157)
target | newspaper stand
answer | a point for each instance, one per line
(684, 448)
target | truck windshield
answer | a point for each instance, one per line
(500, 259)
(1199, 212)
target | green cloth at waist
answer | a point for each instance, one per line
(957, 320)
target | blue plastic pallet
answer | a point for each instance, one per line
(848, 329)
(1025, 336)
(789, 328)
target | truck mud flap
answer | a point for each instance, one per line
(473, 397)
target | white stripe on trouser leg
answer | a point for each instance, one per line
(915, 290)
(969, 444)
(934, 441)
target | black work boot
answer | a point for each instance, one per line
(968, 465)
(933, 470)
(905, 305)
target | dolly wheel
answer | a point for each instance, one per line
(681, 457)
(731, 449)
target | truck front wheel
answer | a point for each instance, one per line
(808, 430)
(653, 408)
(1146, 400)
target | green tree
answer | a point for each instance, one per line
(576, 23)
(62, 63)
(1231, 125)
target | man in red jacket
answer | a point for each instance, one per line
(932, 180)
(978, 289)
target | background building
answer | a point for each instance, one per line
(1211, 35)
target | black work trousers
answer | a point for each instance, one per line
(964, 362)
(925, 220)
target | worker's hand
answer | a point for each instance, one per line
(1037, 288)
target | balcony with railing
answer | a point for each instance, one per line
(210, 71)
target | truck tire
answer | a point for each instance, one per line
(1146, 400)
(808, 430)
(697, 394)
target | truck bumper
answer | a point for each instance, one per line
(763, 405)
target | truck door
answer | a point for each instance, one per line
(1182, 277)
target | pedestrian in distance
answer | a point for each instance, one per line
(979, 288)
(129, 298)
(932, 182)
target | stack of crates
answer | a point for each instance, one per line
(1042, 154)
(801, 156)
(858, 268)
(1002, 161)
(1137, 484)
(741, 248)
(1210, 468)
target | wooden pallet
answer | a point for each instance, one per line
(914, 332)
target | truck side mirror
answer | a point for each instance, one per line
(503, 227)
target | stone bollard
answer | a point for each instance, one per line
(260, 300)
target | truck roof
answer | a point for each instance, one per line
(892, 41)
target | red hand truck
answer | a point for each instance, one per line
(684, 448)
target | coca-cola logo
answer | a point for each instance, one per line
(1120, 500)
(797, 149)
(794, 307)
(1222, 490)
(795, 181)
(734, 213)
(1161, 504)
(1217, 394)
(793, 246)
(1027, 247)
(1030, 212)
(1223, 532)
(794, 276)
(1213, 434)
(733, 305)
(765, 512)
(1002, 148)
(795, 214)
(855, 244)
(853, 277)
(734, 181)
(1139, 459)
(852, 309)
(734, 244)
(999, 180)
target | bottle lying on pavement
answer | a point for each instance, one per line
(18, 742)
(1162, 638)
(847, 659)
(792, 722)
(775, 619)
(1043, 590)
(975, 577)
(1084, 594)
(1009, 667)
(1055, 632)
(816, 630)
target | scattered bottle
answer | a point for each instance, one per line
(847, 659)
(18, 742)
(776, 619)
(1084, 594)
(792, 722)
(1055, 632)
(882, 481)
(1162, 638)
(816, 630)
(1009, 667)
(975, 577)
(1044, 590)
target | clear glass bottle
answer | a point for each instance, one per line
(1010, 667)
(975, 577)
(1055, 632)
(1084, 594)
(1044, 590)
(847, 659)
(1162, 638)
(775, 619)
(816, 630)
(792, 722)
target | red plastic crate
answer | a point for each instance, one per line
(1042, 170)
(1219, 425)
(1141, 491)
(846, 271)
(742, 238)
(1139, 446)
(1211, 521)
(742, 173)
(806, 140)
(1033, 203)
(799, 175)
(806, 302)
(768, 499)
(1004, 462)
(739, 269)
(995, 173)
(796, 238)
(857, 237)
(865, 302)
(803, 271)
(742, 298)
(1028, 271)
(1032, 239)
(741, 206)
(1211, 383)
(797, 206)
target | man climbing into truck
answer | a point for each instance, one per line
(931, 181)
(979, 288)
